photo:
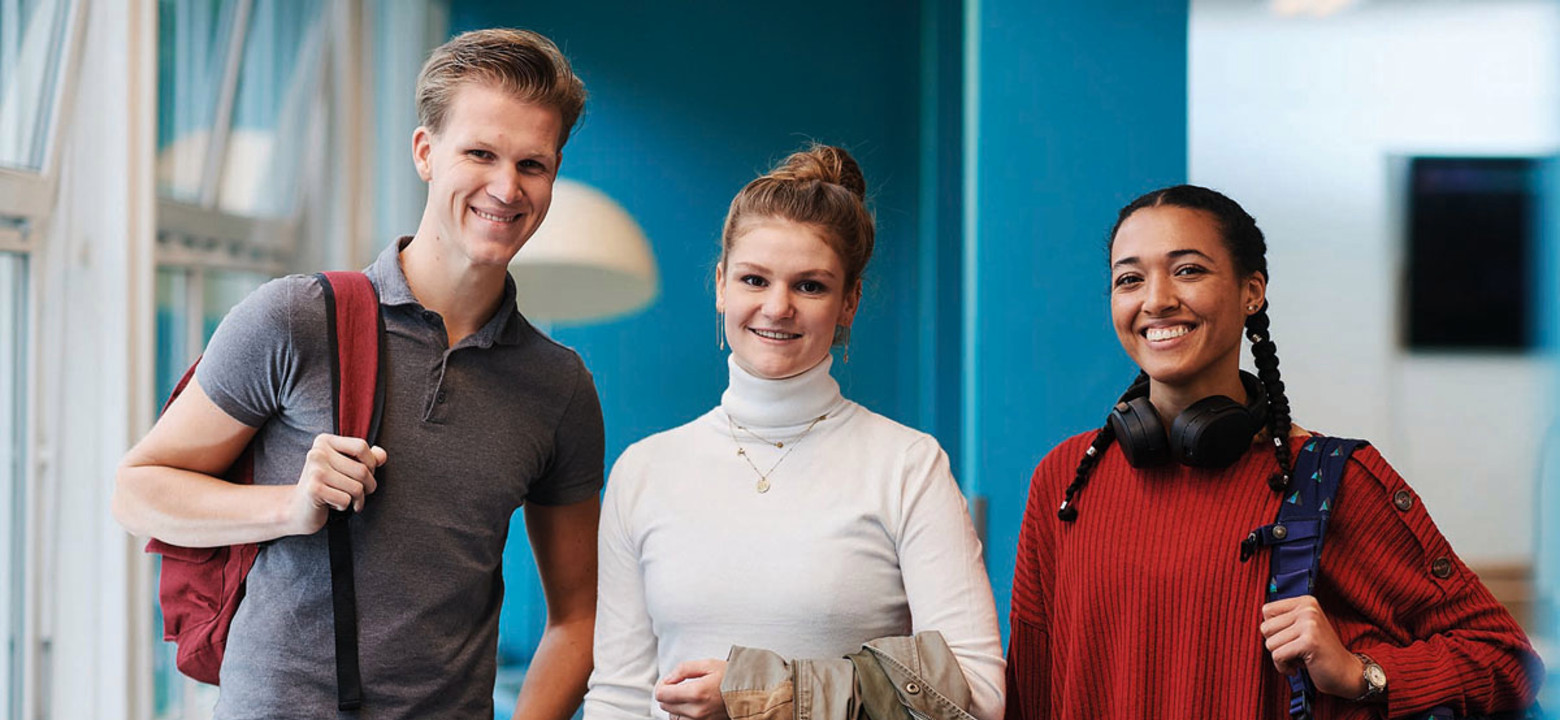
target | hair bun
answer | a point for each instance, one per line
(823, 163)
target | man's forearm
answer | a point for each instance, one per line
(555, 682)
(196, 510)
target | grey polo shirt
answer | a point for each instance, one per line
(505, 417)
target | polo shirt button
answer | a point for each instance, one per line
(1441, 568)
(1403, 499)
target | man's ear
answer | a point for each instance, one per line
(422, 150)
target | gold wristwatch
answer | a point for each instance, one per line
(1375, 678)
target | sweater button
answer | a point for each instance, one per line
(1441, 568)
(1403, 499)
(912, 688)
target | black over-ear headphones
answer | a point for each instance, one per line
(1214, 432)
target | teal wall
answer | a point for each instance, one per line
(1021, 125)
(1079, 107)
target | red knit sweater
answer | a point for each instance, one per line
(1141, 607)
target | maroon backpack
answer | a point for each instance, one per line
(200, 588)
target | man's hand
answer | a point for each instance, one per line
(1299, 635)
(692, 691)
(338, 473)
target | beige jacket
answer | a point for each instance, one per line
(925, 676)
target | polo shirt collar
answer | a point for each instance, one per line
(506, 327)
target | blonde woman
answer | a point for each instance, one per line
(787, 518)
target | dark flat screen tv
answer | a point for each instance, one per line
(1472, 224)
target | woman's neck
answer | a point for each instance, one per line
(1171, 399)
(754, 401)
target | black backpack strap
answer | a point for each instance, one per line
(354, 332)
(1296, 538)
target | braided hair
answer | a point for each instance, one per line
(1247, 246)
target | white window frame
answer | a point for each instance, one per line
(28, 201)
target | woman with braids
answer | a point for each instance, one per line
(745, 554)
(1130, 598)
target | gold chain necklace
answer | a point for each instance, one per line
(777, 443)
(763, 477)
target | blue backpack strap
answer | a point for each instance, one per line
(1296, 537)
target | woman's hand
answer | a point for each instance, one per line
(1299, 635)
(692, 691)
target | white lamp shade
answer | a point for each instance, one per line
(588, 261)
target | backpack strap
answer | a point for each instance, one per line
(354, 332)
(1296, 537)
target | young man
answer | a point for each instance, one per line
(481, 415)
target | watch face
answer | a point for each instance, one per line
(1375, 676)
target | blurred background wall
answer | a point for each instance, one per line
(1308, 122)
(1311, 122)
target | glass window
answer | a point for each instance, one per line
(192, 49)
(13, 475)
(32, 38)
(173, 351)
(277, 85)
(231, 129)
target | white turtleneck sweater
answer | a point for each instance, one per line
(862, 534)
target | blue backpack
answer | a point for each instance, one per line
(1296, 538)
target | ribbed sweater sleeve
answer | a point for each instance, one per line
(1398, 593)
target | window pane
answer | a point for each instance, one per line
(173, 351)
(192, 49)
(13, 474)
(277, 86)
(32, 41)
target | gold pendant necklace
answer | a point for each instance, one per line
(763, 477)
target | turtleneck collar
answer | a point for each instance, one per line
(760, 402)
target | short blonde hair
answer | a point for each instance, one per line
(521, 62)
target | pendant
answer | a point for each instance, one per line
(763, 485)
